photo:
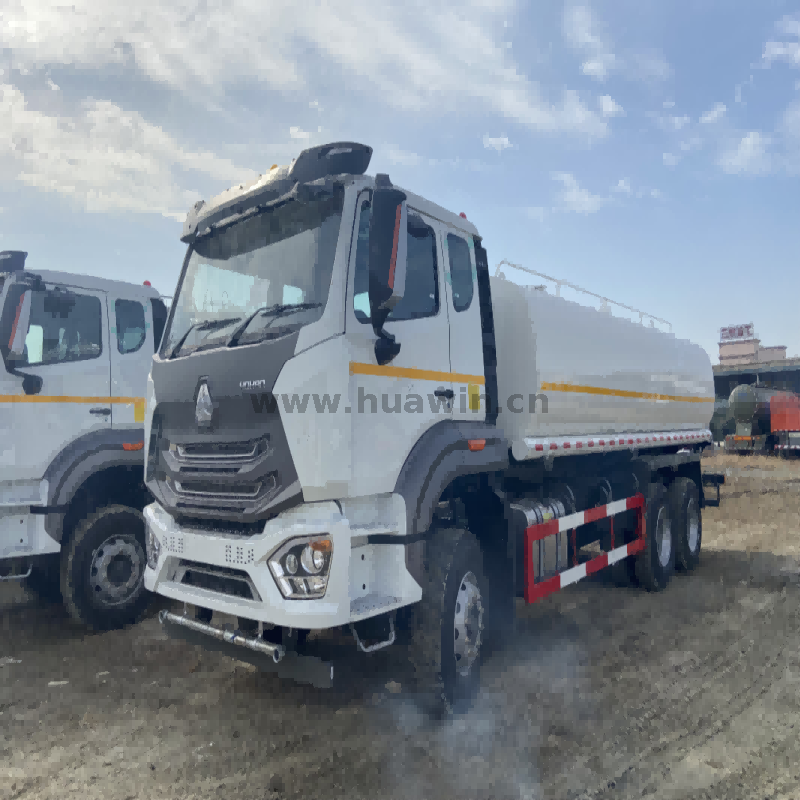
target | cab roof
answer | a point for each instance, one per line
(340, 160)
(121, 289)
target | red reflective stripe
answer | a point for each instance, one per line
(593, 514)
(542, 530)
(596, 564)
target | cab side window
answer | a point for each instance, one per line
(421, 297)
(131, 330)
(63, 328)
(462, 276)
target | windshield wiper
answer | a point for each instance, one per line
(277, 310)
(208, 325)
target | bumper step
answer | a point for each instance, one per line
(266, 657)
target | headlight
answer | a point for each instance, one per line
(301, 567)
(153, 549)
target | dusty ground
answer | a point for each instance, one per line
(609, 693)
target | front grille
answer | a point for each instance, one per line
(222, 580)
(233, 477)
(220, 451)
(209, 490)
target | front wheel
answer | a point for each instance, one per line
(102, 569)
(447, 648)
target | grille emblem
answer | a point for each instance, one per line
(204, 410)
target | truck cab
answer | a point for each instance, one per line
(76, 353)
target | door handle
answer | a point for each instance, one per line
(102, 411)
(446, 393)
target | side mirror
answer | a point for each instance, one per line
(19, 328)
(387, 261)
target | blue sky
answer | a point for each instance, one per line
(648, 151)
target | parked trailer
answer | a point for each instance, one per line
(767, 420)
(464, 439)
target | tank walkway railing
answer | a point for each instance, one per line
(559, 283)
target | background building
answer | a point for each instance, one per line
(742, 359)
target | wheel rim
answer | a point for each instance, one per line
(663, 538)
(115, 574)
(468, 624)
(693, 519)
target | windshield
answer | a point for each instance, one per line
(278, 264)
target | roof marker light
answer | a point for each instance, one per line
(147, 283)
(462, 215)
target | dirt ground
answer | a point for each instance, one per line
(607, 693)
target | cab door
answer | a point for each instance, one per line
(66, 345)
(131, 352)
(393, 405)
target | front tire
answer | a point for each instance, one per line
(102, 569)
(447, 647)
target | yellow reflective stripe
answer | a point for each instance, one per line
(410, 372)
(570, 387)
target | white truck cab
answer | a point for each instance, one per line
(76, 353)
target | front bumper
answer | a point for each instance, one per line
(365, 580)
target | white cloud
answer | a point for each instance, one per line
(693, 143)
(623, 186)
(574, 198)
(670, 159)
(298, 133)
(788, 51)
(650, 66)
(715, 113)
(609, 107)
(584, 32)
(391, 53)
(105, 158)
(676, 123)
(402, 157)
(790, 121)
(656, 195)
(669, 104)
(749, 157)
(499, 143)
(738, 95)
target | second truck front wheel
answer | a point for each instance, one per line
(102, 569)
